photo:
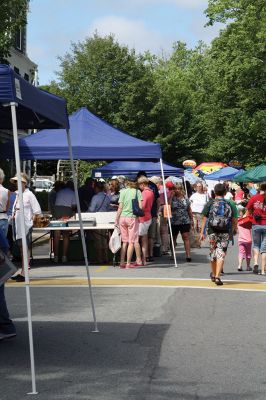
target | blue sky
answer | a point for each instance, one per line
(143, 24)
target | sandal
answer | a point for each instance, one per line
(138, 265)
(218, 281)
(212, 277)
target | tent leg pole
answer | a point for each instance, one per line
(168, 215)
(185, 186)
(24, 247)
(82, 230)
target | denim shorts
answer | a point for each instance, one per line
(4, 226)
(259, 237)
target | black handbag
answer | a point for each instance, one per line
(135, 207)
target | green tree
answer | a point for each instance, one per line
(13, 15)
(111, 81)
(235, 116)
(180, 81)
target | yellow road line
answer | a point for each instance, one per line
(101, 269)
(148, 282)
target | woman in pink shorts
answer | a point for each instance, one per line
(129, 225)
(244, 246)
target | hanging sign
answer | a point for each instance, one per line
(189, 164)
(235, 164)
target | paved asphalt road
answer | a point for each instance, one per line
(154, 343)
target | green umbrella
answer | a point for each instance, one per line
(257, 174)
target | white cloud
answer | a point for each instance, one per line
(132, 33)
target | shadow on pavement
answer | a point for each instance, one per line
(74, 363)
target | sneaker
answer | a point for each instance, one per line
(55, 259)
(64, 259)
(20, 278)
(4, 336)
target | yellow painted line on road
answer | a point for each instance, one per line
(101, 269)
(147, 282)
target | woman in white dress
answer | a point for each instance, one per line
(197, 203)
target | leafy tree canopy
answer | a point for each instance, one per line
(13, 15)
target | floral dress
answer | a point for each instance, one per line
(180, 215)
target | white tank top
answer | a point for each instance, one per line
(3, 202)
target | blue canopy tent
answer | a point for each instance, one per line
(224, 174)
(131, 168)
(92, 139)
(24, 106)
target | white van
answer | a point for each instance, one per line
(43, 185)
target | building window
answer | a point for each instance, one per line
(26, 77)
(20, 40)
(16, 70)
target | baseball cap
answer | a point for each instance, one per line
(169, 185)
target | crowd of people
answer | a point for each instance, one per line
(142, 218)
(190, 207)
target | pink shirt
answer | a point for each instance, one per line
(147, 201)
(244, 235)
(239, 195)
(161, 193)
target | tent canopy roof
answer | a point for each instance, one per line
(257, 174)
(131, 168)
(36, 108)
(224, 174)
(92, 139)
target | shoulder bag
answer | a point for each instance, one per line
(136, 208)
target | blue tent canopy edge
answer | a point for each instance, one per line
(91, 138)
(36, 108)
(131, 168)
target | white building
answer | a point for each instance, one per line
(19, 59)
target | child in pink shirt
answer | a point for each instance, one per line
(244, 246)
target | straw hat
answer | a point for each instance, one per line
(24, 178)
(155, 179)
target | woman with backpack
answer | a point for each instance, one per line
(220, 219)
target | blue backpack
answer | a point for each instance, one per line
(220, 216)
